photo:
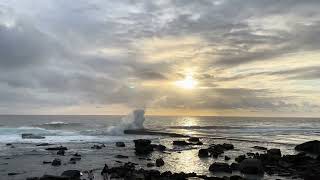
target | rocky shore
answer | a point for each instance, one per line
(305, 164)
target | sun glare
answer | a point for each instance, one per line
(187, 83)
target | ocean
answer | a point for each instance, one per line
(95, 128)
(80, 133)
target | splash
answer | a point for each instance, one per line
(133, 120)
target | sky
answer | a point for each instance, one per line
(170, 57)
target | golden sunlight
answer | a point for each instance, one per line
(187, 83)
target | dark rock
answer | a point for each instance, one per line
(181, 143)
(143, 146)
(76, 158)
(56, 162)
(120, 144)
(46, 162)
(44, 144)
(61, 152)
(194, 139)
(251, 166)
(227, 158)
(240, 158)
(31, 136)
(227, 146)
(150, 165)
(8, 144)
(216, 150)
(97, 146)
(309, 147)
(161, 147)
(77, 155)
(72, 174)
(121, 156)
(13, 174)
(203, 153)
(234, 166)
(235, 177)
(220, 167)
(56, 148)
(159, 162)
(50, 177)
(33, 178)
(260, 148)
(274, 152)
(250, 154)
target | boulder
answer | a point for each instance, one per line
(260, 148)
(72, 174)
(97, 146)
(180, 143)
(76, 158)
(309, 147)
(227, 158)
(194, 139)
(203, 153)
(251, 166)
(274, 152)
(143, 146)
(150, 164)
(121, 156)
(43, 144)
(61, 152)
(159, 162)
(77, 155)
(56, 162)
(56, 148)
(120, 144)
(240, 158)
(234, 166)
(220, 167)
(227, 146)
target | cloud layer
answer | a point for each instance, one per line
(250, 57)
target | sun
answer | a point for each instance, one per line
(187, 83)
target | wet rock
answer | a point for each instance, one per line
(143, 146)
(203, 153)
(251, 166)
(161, 147)
(240, 158)
(235, 177)
(309, 147)
(159, 162)
(77, 155)
(13, 174)
(97, 146)
(50, 177)
(260, 148)
(234, 166)
(61, 152)
(44, 144)
(227, 158)
(72, 174)
(121, 157)
(194, 139)
(56, 162)
(33, 178)
(150, 165)
(181, 143)
(46, 162)
(57, 148)
(227, 146)
(274, 152)
(220, 167)
(8, 144)
(76, 158)
(31, 136)
(250, 154)
(120, 144)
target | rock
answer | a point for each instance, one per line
(234, 166)
(161, 147)
(76, 158)
(61, 152)
(13, 174)
(46, 162)
(251, 166)
(50, 177)
(260, 148)
(97, 146)
(203, 153)
(31, 136)
(8, 144)
(194, 139)
(227, 146)
(274, 152)
(235, 177)
(77, 155)
(143, 146)
(220, 167)
(227, 158)
(44, 144)
(180, 143)
(240, 158)
(120, 144)
(72, 174)
(121, 156)
(159, 162)
(33, 178)
(56, 162)
(309, 147)
(216, 150)
(56, 148)
(150, 165)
